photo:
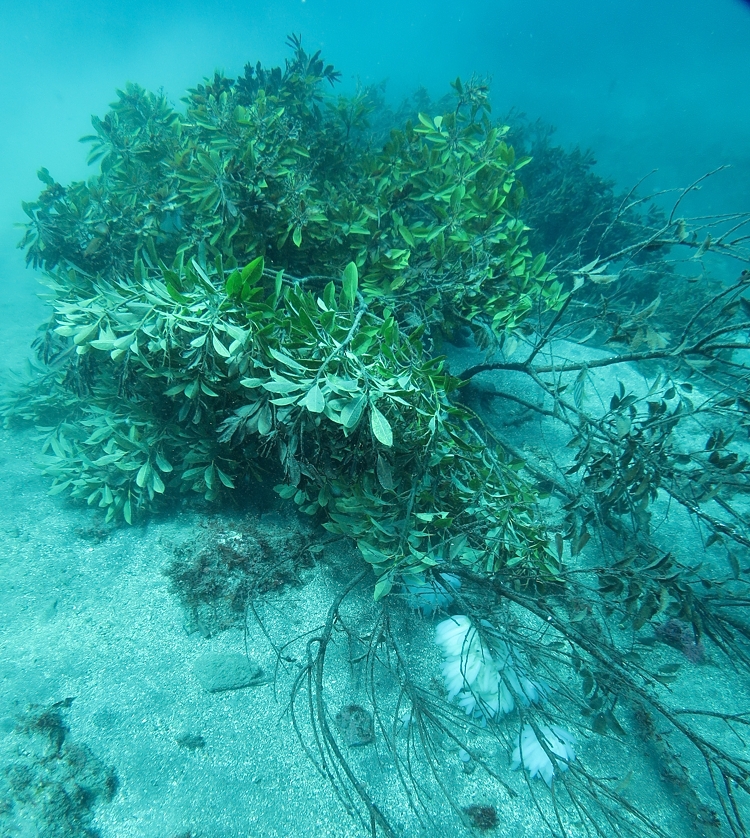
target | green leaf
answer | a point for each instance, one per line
(233, 284)
(176, 295)
(383, 587)
(457, 196)
(384, 472)
(143, 473)
(371, 554)
(265, 420)
(352, 411)
(108, 458)
(286, 360)
(252, 272)
(163, 463)
(538, 264)
(407, 236)
(278, 284)
(57, 488)
(349, 285)
(279, 385)
(225, 478)
(329, 296)
(201, 274)
(249, 291)
(380, 427)
(251, 382)
(219, 346)
(127, 511)
(84, 333)
(297, 236)
(314, 401)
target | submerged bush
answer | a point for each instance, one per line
(179, 357)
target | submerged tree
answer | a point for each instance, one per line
(256, 289)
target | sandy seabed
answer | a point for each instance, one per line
(88, 614)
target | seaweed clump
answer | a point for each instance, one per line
(50, 781)
(217, 575)
(483, 817)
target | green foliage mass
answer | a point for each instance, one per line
(177, 358)
(574, 212)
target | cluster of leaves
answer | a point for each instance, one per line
(430, 220)
(194, 380)
(571, 209)
(670, 437)
(624, 456)
(674, 437)
(174, 363)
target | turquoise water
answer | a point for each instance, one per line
(652, 87)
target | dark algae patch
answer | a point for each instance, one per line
(51, 784)
(229, 563)
(482, 816)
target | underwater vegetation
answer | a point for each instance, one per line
(263, 286)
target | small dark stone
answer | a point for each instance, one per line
(191, 741)
(355, 725)
(482, 817)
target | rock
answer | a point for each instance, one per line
(355, 725)
(218, 672)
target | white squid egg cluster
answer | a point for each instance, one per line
(487, 683)
(530, 753)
